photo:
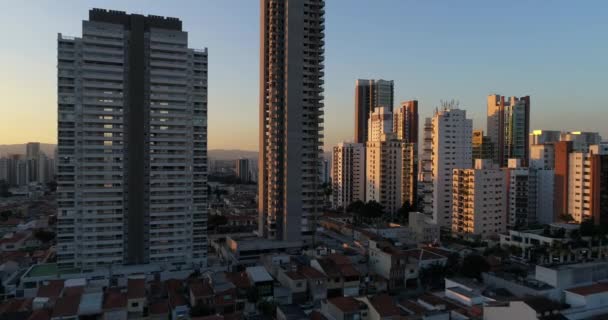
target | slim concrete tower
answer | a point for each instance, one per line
(405, 121)
(391, 169)
(291, 117)
(451, 149)
(32, 150)
(380, 122)
(348, 174)
(508, 127)
(132, 153)
(369, 95)
(242, 170)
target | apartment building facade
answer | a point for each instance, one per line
(132, 151)
(291, 118)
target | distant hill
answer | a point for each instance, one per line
(7, 149)
(233, 154)
(215, 154)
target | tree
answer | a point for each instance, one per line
(559, 233)
(4, 189)
(473, 266)
(201, 310)
(373, 210)
(4, 215)
(355, 207)
(44, 236)
(403, 214)
(566, 217)
(216, 221)
(587, 228)
(52, 185)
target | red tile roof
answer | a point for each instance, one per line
(200, 289)
(423, 255)
(15, 305)
(239, 279)
(73, 291)
(212, 317)
(66, 306)
(339, 259)
(385, 306)
(173, 285)
(16, 237)
(348, 270)
(316, 315)
(50, 290)
(347, 304)
(295, 275)
(159, 307)
(136, 288)
(114, 299)
(10, 222)
(312, 273)
(40, 314)
(589, 290)
(412, 306)
(219, 297)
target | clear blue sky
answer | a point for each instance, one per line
(555, 51)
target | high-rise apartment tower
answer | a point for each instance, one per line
(369, 95)
(291, 117)
(132, 153)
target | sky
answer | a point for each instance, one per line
(554, 51)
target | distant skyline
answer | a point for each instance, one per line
(433, 50)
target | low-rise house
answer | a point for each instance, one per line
(115, 305)
(392, 264)
(224, 293)
(548, 246)
(159, 310)
(343, 278)
(136, 296)
(200, 292)
(426, 257)
(14, 241)
(16, 308)
(243, 286)
(532, 308)
(382, 307)
(261, 280)
(295, 281)
(51, 290)
(344, 308)
(586, 301)
(66, 307)
(316, 283)
(565, 276)
(91, 304)
(290, 312)
(177, 302)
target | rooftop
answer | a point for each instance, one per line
(292, 312)
(91, 303)
(590, 289)
(114, 299)
(136, 288)
(347, 304)
(542, 304)
(47, 270)
(385, 305)
(50, 289)
(66, 306)
(259, 274)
